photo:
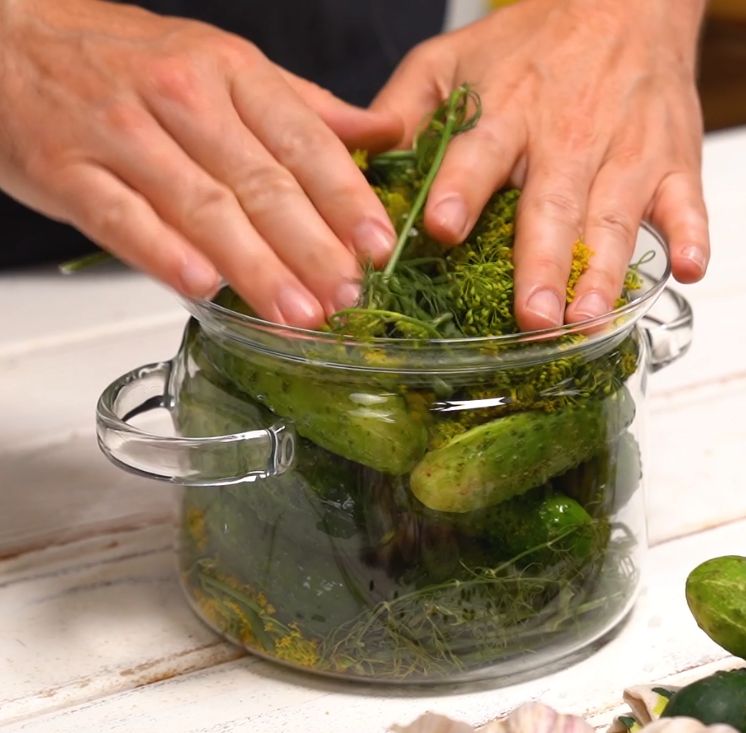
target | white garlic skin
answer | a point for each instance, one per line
(535, 717)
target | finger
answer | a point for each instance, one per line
(551, 213)
(317, 159)
(616, 205)
(277, 207)
(476, 164)
(679, 213)
(206, 213)
(412, 91)
(368, 129)
(119, 219)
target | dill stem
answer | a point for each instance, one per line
(448, 128)
(83, 263)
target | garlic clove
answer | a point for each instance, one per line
(432, 723)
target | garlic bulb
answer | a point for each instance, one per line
(432, 723)
(533, 717)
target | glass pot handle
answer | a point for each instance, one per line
(668, 328)
(209, 461)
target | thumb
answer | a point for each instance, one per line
(373, 130)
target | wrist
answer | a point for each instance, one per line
(654, 19)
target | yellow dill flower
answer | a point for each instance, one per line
(581, 257)
(396, 202)
(293, 647)
(360, 158)
(195, 526)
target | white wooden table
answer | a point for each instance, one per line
(94, 634)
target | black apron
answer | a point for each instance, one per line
(348, 46)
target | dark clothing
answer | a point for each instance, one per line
(348, 46)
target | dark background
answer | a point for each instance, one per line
(722, 76)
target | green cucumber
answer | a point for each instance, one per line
(719, 698)
(540, 526)
(360, 422)
(508, 456)
(716, 594)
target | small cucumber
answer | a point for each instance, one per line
(360, 422)
(719, 698)
(716, 594)
(540, 526)
(508, 456)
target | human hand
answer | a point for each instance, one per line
(590, 107)
(187, 153)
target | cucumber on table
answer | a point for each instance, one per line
(512, 454)
(719, 698)
(716, 594)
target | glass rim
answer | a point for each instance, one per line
(203, 309)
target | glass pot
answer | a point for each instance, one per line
(406, 511)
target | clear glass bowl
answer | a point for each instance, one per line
(407, 511)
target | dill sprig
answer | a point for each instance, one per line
(458, 624)
(449, 119)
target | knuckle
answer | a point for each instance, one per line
(489, 139)
(547, 269)
(206, 203)
(616, 223)
(574, 134)
(234, 51)
(176, 79)
(107, 219)
(628, 158)
(124, 118)
(602, 281)
(299, 142)
(557, 206)
(425, 52)
(260, 189)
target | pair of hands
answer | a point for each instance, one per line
(187, 153)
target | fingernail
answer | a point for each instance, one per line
(696, 256)
(199, 279)
(591, 305)
(374, 240)
(450, 214)
(298, 309)
(347, 295)
(545, 304)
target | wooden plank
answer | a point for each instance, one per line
(57, 494)
(87, 619)
(51, 394)
(659, 641)
(40, 308)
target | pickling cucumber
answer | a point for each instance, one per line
(716, 594)
(508, 456)
(363, 423)
(540, 526)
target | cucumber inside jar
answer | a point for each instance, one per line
(339, 567)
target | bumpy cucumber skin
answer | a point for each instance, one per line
(374, 428)
(524, 526)
(719, 698)
(716, 594)
(508, 456)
